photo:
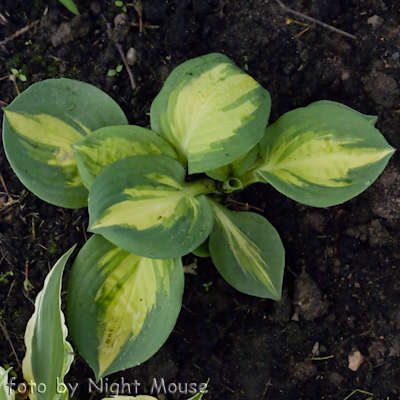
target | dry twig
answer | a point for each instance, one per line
(20, 32)
(121, 52)
(4, 329)
(299, 14)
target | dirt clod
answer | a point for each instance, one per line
(308, 298)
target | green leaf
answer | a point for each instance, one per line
(39, 127)
(211, 111)
(237, 168)
(322, 155)
(70, 5)
(48, 355)
(199, 395)
(121, 308)
(6, 393)
(202, 250)
(106, 145)
(370, 118)
(248, 252)
(143, 205)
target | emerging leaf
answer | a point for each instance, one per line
(38, 143)
(121, 308)
(143, 205)
(211, 111)
(248, 252)
(323, 154)
(48, 354)
(106, 145)
(6, 393)
(70, 5)
(236, 169)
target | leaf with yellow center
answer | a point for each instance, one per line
(247, 251)
(211, 111)
(321, 155)
(150, 211)
(40, 126)
(121, 307)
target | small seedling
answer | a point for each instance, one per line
(116, 71)
(3, 277)
(121, 5)
(207, 286)
(17, 74)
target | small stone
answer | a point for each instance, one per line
(132, 56)
(355, 360)
(375, 21)
(395, 56)
(345, 75)
(121, 19)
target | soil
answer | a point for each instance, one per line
(342, 279)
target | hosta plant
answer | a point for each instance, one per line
(155, 195)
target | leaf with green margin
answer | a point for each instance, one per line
(237, 168)
(70, 5)
(39, 127)
(248, 252)
(211, 112)
(321, 155)
(106, 145)
(370, 118)
(6, 393)
(143, 205)
(121, 308)
(48, 355)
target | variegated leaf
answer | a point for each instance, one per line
(121, 308)
(321, 155)
(6, 393)
(248, 252)
(211, 112)
(143, 205)
(106, 145)
(48, 354)
(39, 127)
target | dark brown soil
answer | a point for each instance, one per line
(342, 278)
